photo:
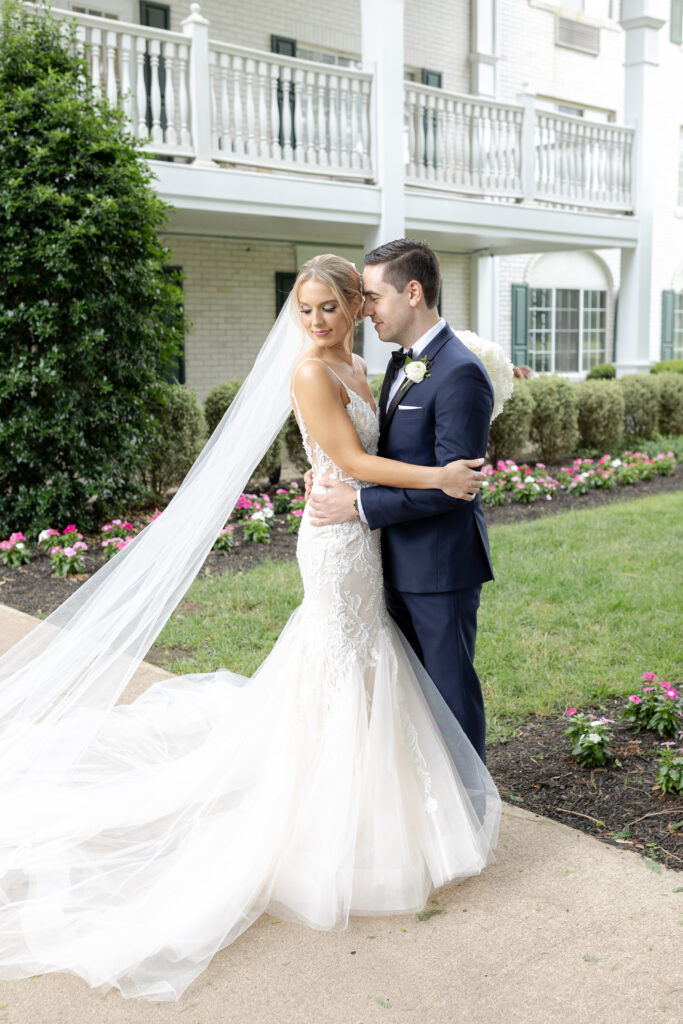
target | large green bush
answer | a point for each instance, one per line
(603, 371)
(670, 407)
(554, 428)
(375, 384)
(641, 403)
(509, 433)
(216, 403)
(88, 320)
(180, 438)
(668, 366)
(600, 407)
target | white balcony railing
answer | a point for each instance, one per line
(276, 111)
(193, 99)
(463, 143)
(581, 163)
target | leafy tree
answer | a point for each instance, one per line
(88, 320)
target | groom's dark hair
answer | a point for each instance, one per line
(406, 260)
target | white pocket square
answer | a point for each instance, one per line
(408, 407)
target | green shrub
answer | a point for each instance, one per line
(668, 366)
(603, 371)
(291, 438)
(88, 319)
(180, 438)
(670, 411)
(600, 408)
(215, 405)
(554, 427)
(509, 433)
(218, 400)
(641, 401)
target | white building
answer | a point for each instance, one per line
(536, 145)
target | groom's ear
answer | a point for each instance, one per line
(415, 293)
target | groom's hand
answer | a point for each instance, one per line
(336, 505)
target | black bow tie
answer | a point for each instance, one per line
(399, 356)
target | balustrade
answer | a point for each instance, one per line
(205, 101)
(277, 111)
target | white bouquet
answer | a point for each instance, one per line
(496, 364)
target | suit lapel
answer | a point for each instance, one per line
(429, 353)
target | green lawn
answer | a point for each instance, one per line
(583, 603)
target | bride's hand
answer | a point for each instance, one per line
(462, 479)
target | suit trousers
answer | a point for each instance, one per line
(442, 630)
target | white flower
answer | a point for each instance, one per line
(415, 371)
(258, 515)
(594, 737)
(496, 364)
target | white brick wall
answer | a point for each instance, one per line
(455, 290)
(230, 299)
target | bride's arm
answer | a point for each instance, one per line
(322, 408)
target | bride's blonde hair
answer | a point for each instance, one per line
(339, 275)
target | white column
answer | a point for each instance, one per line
(197, 29)
(382, 49)
(484, 55)
(484, 295)
(641, 21)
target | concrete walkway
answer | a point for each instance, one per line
(560, 928)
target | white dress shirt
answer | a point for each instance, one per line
(417, 348)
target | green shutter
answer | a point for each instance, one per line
(520, 324)
(668, 299)
(676, 26)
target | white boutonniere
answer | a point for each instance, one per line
(415, 370)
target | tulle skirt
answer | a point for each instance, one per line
(214, 798)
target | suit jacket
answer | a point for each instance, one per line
(432, 543)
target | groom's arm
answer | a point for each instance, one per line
(463, 407)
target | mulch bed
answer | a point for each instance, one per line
(618, 803)
(533, 769)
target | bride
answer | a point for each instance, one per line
(139, 839)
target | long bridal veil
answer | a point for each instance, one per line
(81, 657)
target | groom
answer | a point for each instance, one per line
(435, 548)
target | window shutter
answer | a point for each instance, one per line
(520, 324)
(668, 299)
(676, 25)
(284, 282)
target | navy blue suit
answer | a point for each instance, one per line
(435, 549)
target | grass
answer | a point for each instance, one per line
(584, 603)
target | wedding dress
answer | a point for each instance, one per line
(319, 788)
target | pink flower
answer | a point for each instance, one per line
(69, 529)
(55, 551)
(672, 694)
(15, 537)
(635, 699)
(157, 513)
(127, 526)
(281, 490)
(298, 512)
(570, 712)
(80, 546)
(107, 527)
(69, 552)
(649, 676)
(540, 465)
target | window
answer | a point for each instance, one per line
(678, 326)
(567, 329)
(177, 370)
(433, 78)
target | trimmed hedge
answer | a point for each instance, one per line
(509, 433)
(554, 426)
(215, 405)
(670, 407)
(179, 440)
(641, 404)
(603, 371)
(668, 366)
(291, 438)
(600, 408)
